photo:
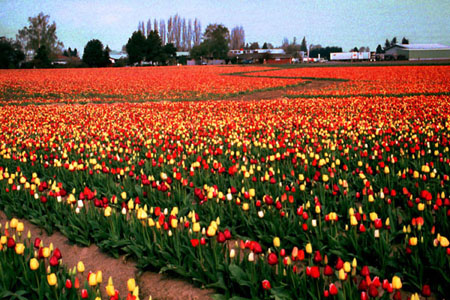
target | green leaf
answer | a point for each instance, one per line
(239, 276)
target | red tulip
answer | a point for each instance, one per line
(317, 256)
(266, 284)
(68, 284)
(37, 242)
(227, 234)
(272, 259)
(53, 261)
(221, 237)
(364, 296)
(328, 271)
(426, 291)
(11, 243)
(57, 253)
(365, 271)
(373, 291)
(333, 289)
(339, 264)
(315, 272)
(84, 294)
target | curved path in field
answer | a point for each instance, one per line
(159, 286)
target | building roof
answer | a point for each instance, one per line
(422, 46)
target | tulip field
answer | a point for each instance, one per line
(338, 193)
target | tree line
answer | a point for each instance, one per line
(155, 43)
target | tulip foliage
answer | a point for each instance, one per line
(313, 198)
(31, 270)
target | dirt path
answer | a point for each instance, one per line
(312, 85)
(157, 285)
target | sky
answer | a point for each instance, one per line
(344, 23)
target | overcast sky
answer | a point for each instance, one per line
(345, 23)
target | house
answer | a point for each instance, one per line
(418, 52)
(260, 56)
(61, 60)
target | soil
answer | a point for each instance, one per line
(157, 285)
(310, 85)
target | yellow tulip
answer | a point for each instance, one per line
(396, 282)
(93, 279)
(196, 227)
(99, 276)
(131, 284)
(46, 252)
(110, 291)
(354, 263)
(174, 223)
(13, 223)
(413, 241)
(353, 221)
(123, 195)
(341, 274)
(19, 248)
(107, 212)
(34, 264)
(444, 241)
(347, 267)
(308, 248)
(80, 267)
(276, 242)
(211, 231)
(51, 279)
(245, 206)
(20, 227)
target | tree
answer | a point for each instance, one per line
(40, 33)
(394, 41)
(169, 53)
(254, 45)
(387, 44)
(303, 46)
(354, 49)
(405, 40)
(11, 54)
(237, 37)
(42, 60)
(136, 47)
(216, 39)
(265, 46)
(154, 47)
(379, 49)
(94, 55)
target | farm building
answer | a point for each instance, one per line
(418, 52)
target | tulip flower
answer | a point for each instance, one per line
(396, 282)
(131, 284)
(426, 291)
(333, 289)
(19, 248)
(84, 294)
(34, 264)
(80, 267)
(276, 242)
(266, 284)
(68, 284)
(51, 279)
(272, 259)
(308, 248)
